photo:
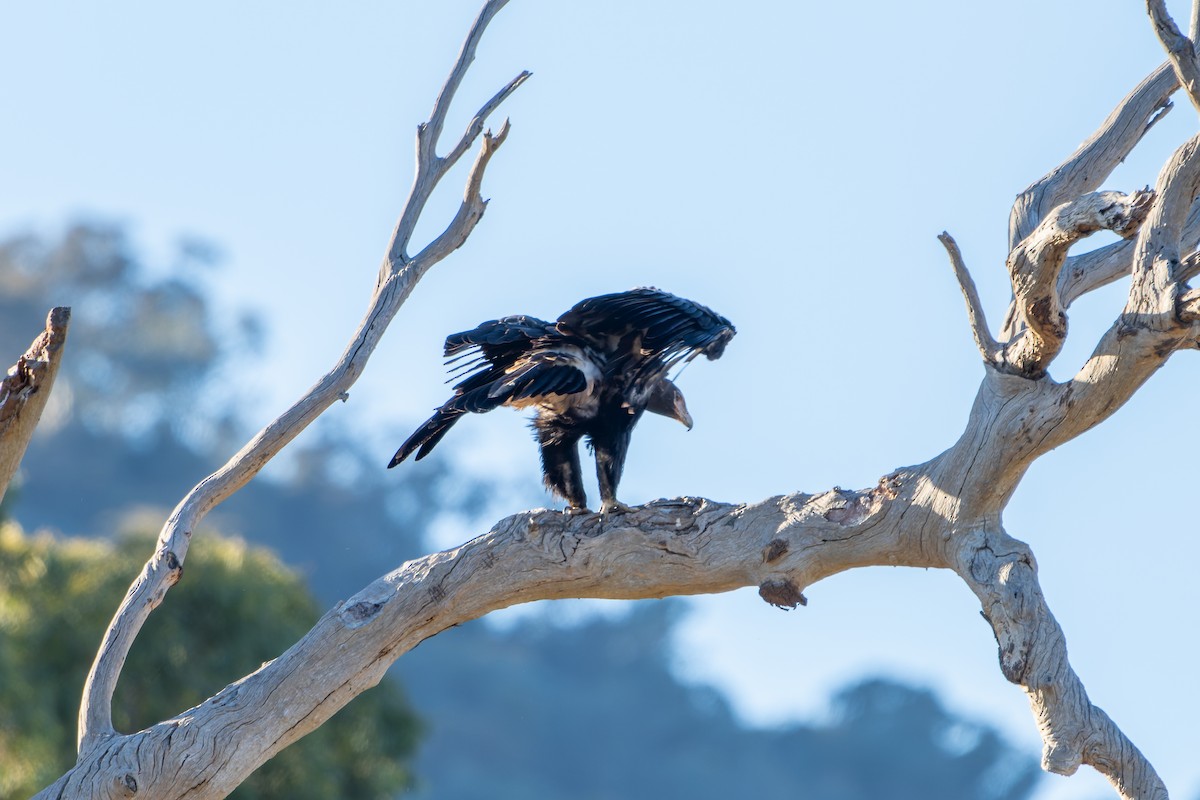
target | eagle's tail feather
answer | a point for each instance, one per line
(428, 435)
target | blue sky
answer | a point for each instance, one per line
(789, 164)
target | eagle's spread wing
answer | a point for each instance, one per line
(499, 342)
(593, 373)
(652, 328)
(516, 361)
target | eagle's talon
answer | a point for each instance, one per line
(614, 507)
(575, 511)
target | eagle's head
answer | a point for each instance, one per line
(666, 399)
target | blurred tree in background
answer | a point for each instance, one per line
(141, 345)
(241, 607)
(593, 710)
(538, 710)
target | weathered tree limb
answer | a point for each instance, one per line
(1035, 264)
(397, 279)
(688, 546)
(1089, 271)
(1179, 47)
(988, 347)
(1033, 654)
(25, 390)
(1155, 284)
(1091, 164)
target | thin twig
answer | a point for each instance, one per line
(476, 124)
(988, 347)
(473, 204)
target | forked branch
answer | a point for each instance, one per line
(430, 166)
(399, 276)
(1091, 164)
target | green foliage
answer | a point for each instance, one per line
(237, 607)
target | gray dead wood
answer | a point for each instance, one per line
(25, 390)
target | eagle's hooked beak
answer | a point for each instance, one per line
(679, 407)
(666, 399)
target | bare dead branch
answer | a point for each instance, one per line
(477, 122)
(466, 56)
(1153, 324)
(1091, 164)
(1179, 47)
(1157, 258)
(988, 347)
(430, 166)
(165, 567)
(1033, 654)
(1090, 271)
(782, 545)
(473, 204)
(25, 390)
(1035, 263)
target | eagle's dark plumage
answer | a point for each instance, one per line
(590, 374)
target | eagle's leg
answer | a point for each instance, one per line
(560, 467)
(610, 448)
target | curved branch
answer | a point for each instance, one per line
(685, 546)
(1091, 164)
(1089, 271)
(25, 390)
(1035, 264)
(670, 547)
(165, 567)
(1033, 654)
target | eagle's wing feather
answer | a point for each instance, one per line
(551, 371)
(648, 325)
(497, 337)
